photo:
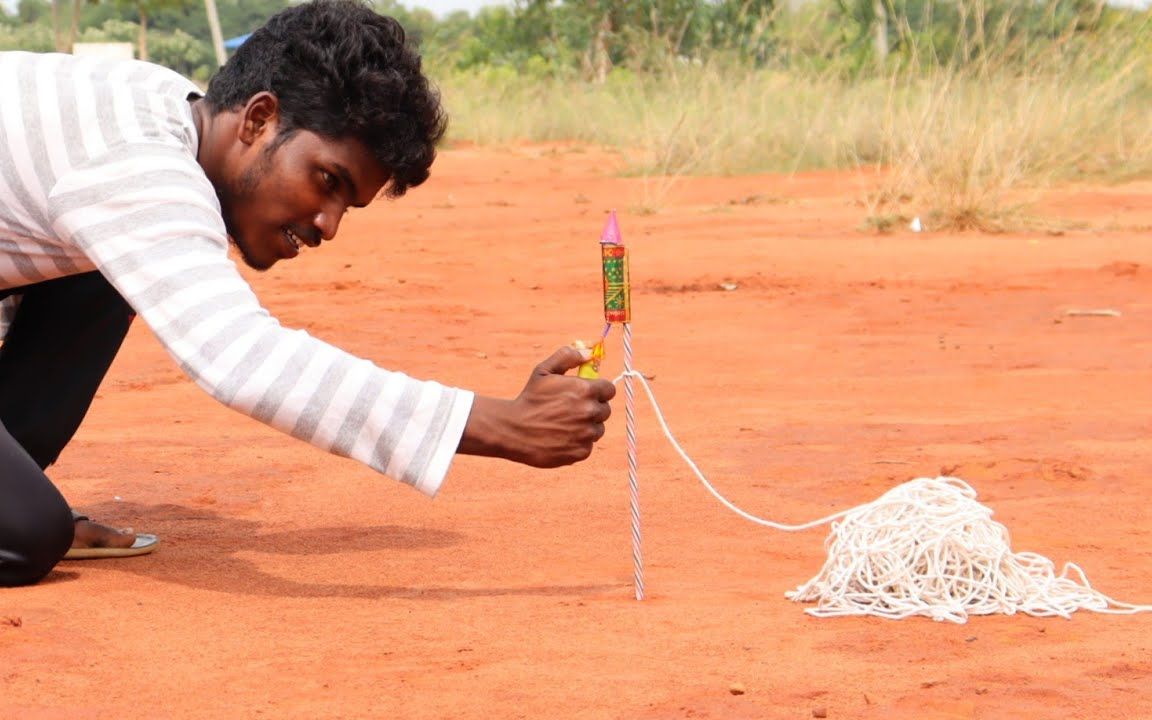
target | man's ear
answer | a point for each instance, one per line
(260, 116)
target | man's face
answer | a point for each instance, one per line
(285, 196)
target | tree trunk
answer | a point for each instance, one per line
(57, 41)
(601, 60)
(143, 37)
(74, 30)
(880, 31)
(217, 36)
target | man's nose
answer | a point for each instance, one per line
(328, 220)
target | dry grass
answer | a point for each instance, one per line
(962, 146)
(966, 149)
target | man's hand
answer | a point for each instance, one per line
(554, 421)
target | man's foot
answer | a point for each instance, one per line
(94, 535)
(93, 540)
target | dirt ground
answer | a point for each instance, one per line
(838, 364)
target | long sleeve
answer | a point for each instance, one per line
(149, 220)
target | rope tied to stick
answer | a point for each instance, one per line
(925, 548)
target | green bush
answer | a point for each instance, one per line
(34, 38)
(183, 53)
(112, 30)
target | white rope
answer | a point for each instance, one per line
(928, 548)
(633, 472)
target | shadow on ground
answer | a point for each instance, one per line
(199, 550)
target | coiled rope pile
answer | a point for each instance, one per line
(927, 548)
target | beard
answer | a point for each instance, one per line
(239, 194)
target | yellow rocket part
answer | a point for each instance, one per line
(590, 370)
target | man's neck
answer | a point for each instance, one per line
(198, 112)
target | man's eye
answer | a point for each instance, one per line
(329, 179)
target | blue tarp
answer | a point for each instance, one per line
(233, 43)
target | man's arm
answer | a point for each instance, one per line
(149, 220)
(554, 421)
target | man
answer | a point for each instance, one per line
(120, 188)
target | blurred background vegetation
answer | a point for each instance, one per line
(956, 104)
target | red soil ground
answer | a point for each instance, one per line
(292, 584)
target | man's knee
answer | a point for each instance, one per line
(30, 551)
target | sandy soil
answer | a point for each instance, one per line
(292, 584)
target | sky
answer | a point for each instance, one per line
(442, 7)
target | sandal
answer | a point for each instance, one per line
(143, 545)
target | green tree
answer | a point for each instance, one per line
(237, 17)
(32, 11)
(187, 55)
(142, 10)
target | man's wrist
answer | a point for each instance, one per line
(486, 431)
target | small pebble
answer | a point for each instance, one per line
(820, 712)
(736, 688)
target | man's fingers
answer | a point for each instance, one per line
(603, 390)
(601, 411)
(562, 361)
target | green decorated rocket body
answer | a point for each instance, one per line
(614, 260)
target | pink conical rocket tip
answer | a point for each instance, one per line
(611, 234)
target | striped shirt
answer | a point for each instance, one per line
(98, 171)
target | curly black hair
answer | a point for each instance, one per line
(340, 69)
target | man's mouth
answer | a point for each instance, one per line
(296, 241)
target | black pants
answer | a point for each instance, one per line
(59, 347)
